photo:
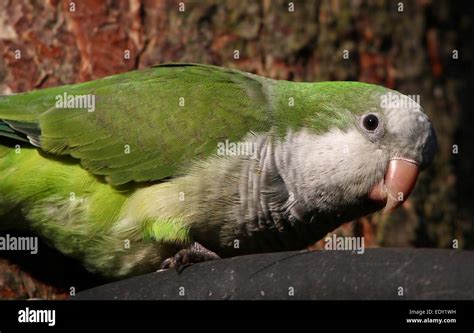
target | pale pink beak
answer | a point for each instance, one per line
(399, 181)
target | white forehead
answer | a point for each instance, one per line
(403, 113)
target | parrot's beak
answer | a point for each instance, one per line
(400, 179)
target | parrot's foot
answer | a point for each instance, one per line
(194, 254)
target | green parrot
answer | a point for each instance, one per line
(181, 163)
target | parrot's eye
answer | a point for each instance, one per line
(370, 122)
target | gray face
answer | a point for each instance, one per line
(402, 129)
(336, 170)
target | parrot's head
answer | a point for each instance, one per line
(400, 128)
(362, 146)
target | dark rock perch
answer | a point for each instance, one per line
(378, 274)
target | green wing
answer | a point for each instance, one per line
(147, 124)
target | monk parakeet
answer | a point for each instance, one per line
(182, 163)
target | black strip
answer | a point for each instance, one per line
(356, 314)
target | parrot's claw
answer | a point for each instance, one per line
(196, 253)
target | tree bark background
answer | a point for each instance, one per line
(409, 48)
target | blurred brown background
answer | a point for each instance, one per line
(417, 47)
